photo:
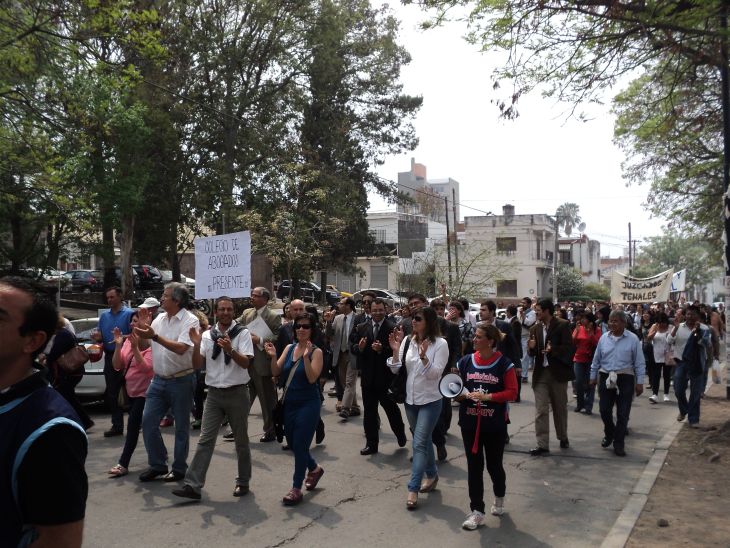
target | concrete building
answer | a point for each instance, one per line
(609, 264)
(520, 250)
(583, 254)
(428, 195)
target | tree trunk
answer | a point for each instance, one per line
(126, 259)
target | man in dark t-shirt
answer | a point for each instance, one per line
(38, 429)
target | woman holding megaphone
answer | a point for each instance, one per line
(489, 382)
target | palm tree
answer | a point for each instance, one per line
(568, 216)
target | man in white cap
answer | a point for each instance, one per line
(151, 304)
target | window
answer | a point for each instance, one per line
(565, 257)
(506, 288)
(506, 246)
(378, 236)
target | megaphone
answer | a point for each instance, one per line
(451, 385)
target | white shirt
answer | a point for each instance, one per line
(176, 328)
(218, 374)
(422, 386)
(659, 344)
(530, 319)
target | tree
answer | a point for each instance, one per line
(568, 216)
(570, 282)
(597, 291)
(679, 252)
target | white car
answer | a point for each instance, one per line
(93, 384)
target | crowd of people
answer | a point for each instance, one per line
(154, 357)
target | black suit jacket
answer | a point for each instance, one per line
(508, 345)
(561, 355)
(373, 371)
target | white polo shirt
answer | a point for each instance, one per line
(218, 374)
(176, 328)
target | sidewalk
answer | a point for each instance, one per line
(687, 506)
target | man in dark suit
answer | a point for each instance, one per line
(371, 351)
(516, 327)
(263, 324)
(551, 345)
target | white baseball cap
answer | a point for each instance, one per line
(150, 302)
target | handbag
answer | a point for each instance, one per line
(73, 361)
(278, 414)
(123, 397)
(397, 388)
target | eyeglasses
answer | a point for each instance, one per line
(303, 326)
(257, 294)
(417, 318)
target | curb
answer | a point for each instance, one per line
(619, 534)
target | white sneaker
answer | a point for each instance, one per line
(652, 398)
(498, 506)
(473, 520)
(666, 397)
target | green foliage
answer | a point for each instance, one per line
(568, 216)
(597, 291)
(570, 282)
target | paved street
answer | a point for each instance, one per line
(571, 498)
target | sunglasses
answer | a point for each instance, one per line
(417, 318)
(303, 326)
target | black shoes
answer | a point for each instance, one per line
(369, 450)
(402, 440)
(239, 490)
(229, 436)
(539, 451)
(619, 451)
(269, 436)
(564, 444)
(112, 432)
(173, 476)
(605, 442)
(151, 474)
(441, 453)
(319, 432)
(186, 492)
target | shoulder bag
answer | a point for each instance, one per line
(72, 361)
(397, 389)
(123, 397)
(279, 407)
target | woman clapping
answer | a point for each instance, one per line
(300, 366)
(489, 383)
(425, 356)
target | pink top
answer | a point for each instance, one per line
(585, 344)
(139, 375)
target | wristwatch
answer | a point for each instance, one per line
(155, 337)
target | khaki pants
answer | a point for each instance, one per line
(348, 380)
(550, 393)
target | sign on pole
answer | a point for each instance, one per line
(223, 266)
(627, 289)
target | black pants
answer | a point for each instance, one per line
(65, 386)
(199, 394)
(113, 384)
(622, 399)
(371, 397)
(655, 374)
(438, 437)
(134, 424)
(491, 446)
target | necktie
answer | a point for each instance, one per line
(345, 335)
(376, 328)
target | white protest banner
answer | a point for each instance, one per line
(627, 289)
(223, 266)
(679, 280)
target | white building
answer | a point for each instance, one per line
(429, 195)
(583, 254)
(522, 244)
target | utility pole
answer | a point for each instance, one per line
(630, 257)
(448, 240)
(456, 234)
(555, 261)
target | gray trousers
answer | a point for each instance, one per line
(263, 387)
(231, 402)
(348, 379)
(550, 393)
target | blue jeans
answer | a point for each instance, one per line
(175, 394)
(422, 420)
(584, 392)
(622, 398)
(682, 377)
(300, 421)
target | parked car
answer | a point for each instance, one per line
(331, 287)
(388, 296)
(148, 277)
(92, 385)
(83, 281)
(310, 292)
(167, 278)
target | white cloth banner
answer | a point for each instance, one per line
(679, 280)
(223, 266)
(627, 289)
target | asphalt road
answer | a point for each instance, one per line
(570, 498)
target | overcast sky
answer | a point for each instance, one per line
(536, 162)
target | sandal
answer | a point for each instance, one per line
(293, 497)
(429, 484)
(412, 501)
(117, 471)
(313, 478)
(338, 407)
